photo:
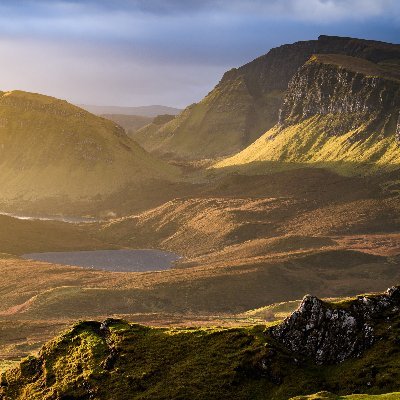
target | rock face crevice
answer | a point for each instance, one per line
(330, 334)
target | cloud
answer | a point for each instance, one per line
(118, 16)
(87, 75)
(133, 52)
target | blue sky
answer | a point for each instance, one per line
(172, 52)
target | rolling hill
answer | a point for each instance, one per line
(246, 102)
(54, 151)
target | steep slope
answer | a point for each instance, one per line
(52, 149)
(246, 101)
(117, 360)
(339, 111)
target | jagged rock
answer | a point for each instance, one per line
(331, 334)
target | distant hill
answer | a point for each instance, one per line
(339, 112)
(145, 111)
(51, 149)
(246, 102)
(131, 123)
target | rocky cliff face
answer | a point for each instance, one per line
(398, 128)
(330, 334)
(246, 101)
(358, 92)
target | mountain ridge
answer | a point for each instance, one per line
(246, 101)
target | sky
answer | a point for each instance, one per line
(170, 52)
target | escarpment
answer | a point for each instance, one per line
(339, 112)
(398, 128)
(246, 101)
(360, 94)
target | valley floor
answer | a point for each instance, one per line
(252, 246)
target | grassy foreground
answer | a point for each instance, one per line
(118, 360)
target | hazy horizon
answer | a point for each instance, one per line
(131, 53)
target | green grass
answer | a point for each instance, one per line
(307, 144)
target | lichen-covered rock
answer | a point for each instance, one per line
(330, 333)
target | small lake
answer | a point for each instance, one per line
(71, 220)
(111, 260)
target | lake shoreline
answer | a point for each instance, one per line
(123, 260)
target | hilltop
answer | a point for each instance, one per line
(52, 151)
(246, 102)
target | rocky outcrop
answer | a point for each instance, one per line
(274, 70)
(333, 333)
